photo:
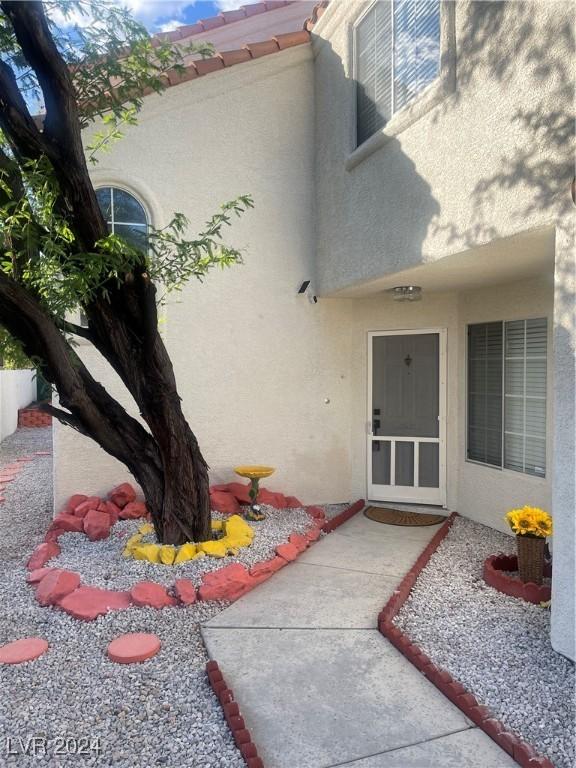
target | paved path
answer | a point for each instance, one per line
(318, 685)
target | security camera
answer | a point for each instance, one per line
(306, 288)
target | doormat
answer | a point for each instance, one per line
(398, 517)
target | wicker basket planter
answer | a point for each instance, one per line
(531, 558)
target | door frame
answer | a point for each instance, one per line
(402, 493)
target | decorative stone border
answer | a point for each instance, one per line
(524, 754)
(94, 517)
(496, 576)
(240, 733)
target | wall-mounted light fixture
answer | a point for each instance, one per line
(306, 288)
(407, 293)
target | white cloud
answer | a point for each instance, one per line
(171, 25)
(233, 5)
(147, 11)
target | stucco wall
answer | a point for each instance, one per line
(254, 361)
(490, 159)
(17, 389)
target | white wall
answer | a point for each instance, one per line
(491, 158)
(254, 361)
(17, 390)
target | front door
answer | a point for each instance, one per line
(406, 416)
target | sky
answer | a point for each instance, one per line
(165, 15)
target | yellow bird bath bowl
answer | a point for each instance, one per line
(254, 473)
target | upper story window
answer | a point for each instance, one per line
(397, 54)
(124, 214)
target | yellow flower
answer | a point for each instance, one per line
(530, 520)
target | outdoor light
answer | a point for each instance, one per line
(306, 289)
(407, 293)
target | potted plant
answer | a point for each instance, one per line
(531, 526)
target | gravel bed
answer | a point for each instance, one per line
(497, 646)
(160, 712)
(333, 510)
(101, 563)
(27, 498)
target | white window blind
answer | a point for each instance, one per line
(525, 396)
(397, 55)
(507, 368)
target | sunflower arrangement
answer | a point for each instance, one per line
(530, 521)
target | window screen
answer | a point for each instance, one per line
(507, 367)
(397, 55)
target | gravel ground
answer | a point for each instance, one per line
(332, 510)
(101, 563)
(497, 646)
(28, 498)
(160, 712)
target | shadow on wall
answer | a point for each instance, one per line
(500, 41)
(395, 203)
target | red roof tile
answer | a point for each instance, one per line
(226, 59)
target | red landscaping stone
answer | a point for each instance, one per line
(74, 501)
(525, 754)
(96, 525)
(67, 522)
(56, 585)
(42, 554)
(241, 736)
(267, 567)
(148, 593)
(276, 500)
(53, 534)
(313, 534)
(238, 490)
(185, 591)
(26, 649)
(133, 647)
(113, 512)
(86, 506)
(287, 551)
(133, 510)
(300, 542)
(225, 503)
(123, 494)
(228, 583)
(90, 602)
(35, 577)
(293, 502)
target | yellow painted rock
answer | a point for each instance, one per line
(217, 525)
(167, 554)
(185, 552)
(132, 542)
(146, 528)
(150, 552)
(214, 548)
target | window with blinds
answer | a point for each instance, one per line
(507, 368)
(397, 54)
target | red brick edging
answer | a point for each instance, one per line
(337, 521)
(495, 574)
(524, 754)
(235, 721)
(10, 472)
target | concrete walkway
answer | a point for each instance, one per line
(318, 685)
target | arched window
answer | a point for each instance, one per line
(124, 214)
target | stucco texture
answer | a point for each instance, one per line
(254, 361)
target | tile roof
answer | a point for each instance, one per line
(249, 51)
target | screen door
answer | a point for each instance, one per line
(406, 430)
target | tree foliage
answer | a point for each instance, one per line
(57, 254)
